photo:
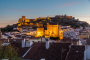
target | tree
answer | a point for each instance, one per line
(8, 52)
(8, 28)
(1, 50)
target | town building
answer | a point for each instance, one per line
(84, 34)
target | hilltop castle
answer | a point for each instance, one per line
(45, 26)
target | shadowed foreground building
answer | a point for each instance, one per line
(79, 52)
(51, 51)
(56, 51)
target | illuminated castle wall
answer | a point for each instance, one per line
(23, 22)
(40, 32)
(28, 22)
(53, 30)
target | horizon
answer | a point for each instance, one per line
(12, 10)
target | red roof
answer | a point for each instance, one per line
(33, 50)
(76, 53)
(21, 51)
(39, 51)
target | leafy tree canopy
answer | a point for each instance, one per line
(8, 52)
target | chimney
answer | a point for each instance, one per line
(23, 42)
(30, 42)
(5, 59)
(8, 40)
(42, 59)
(80, 43)
(47, 43)
(71, 40)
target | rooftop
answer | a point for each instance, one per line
(76, 53)
(38, 51)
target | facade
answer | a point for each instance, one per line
(51, 31)
(40, 32)
(54, 31)
(84, 34)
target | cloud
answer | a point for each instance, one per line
(27, 9)
(82, 16)
(69, 4)
(35, 9)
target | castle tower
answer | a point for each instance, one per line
(23, 17)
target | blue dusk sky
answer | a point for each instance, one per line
(12, 10)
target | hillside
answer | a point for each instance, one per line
(65, 20)
(60, 19)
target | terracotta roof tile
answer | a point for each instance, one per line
(21, 51)
(76, 53)
(39, 51)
